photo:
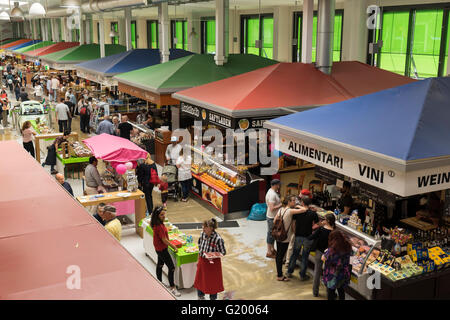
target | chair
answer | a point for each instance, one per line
(296, 187)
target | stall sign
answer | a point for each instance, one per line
(375, 194)
(428, 180)
(220, 120)
(190, 110)
(212, 196)
(252, 123)
(371, 173)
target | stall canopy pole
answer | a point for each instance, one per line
(102, 38)
(163, 16)
(222, 31)
(307, 30)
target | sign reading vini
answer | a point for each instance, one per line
(314, 154)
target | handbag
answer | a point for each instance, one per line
(279, 233)
(154, 179)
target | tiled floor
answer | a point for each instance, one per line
(246, 271)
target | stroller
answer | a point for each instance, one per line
(174, 190)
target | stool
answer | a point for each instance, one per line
(296, 187)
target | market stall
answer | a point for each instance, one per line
(51, 231)
(34, 46)
(43, 140)
(67, 59)
(10, 50)
(185, 259)
(102, 70)
(14, 43)
(246, 101)
(155, 84)
(392, 145)
(116, 151)
(36, 53)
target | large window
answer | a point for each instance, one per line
(179, 34)
(133, 35)
(255, 28)
(415, 41)
(152, 34)
(76, 35)
(115, 27)
(337, 41)
(208, 35)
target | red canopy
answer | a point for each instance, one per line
(44, 231)
(15, 43)
(52, 48)
(293, 85)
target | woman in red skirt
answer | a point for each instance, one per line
(208, 279)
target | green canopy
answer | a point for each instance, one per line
(82, 53)
(35, 46)
(190, 71)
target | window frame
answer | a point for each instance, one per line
(114, 24)
(203, 33)
(183, 33)
(149, 33)
(244, 18)
(297, 47)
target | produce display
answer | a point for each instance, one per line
(219, 184)
(80, 150)
(43, 128)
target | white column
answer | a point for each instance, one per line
(63, 29)
(128, 43)
(307, 30)
(82, 27)
(282, 26)
(355, 32)
(121, 30)
(102, 38)
(55, 30)
(164, 32)
(26, 28)
(34, 29)
(222, 31)
(87, 29)
(193, 23)
(43, 30)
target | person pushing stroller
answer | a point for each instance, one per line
(173, 151)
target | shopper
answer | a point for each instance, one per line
(16, 89)
(85, 114)
(105, 126)
(303, 229)
(144, 176)
(55, 83)
(49, 89)
(27, 135)
(208, 279)
(60, 178)
(161, 243)
(99, 211)
(337, 268)
(125, 128)
(115, 121)
(112, 224)
(93, 182)
(286, 213)
(273, 205)
(183, 164)
(320, 244)
(23, 95)
(38, 91)
(62, 115)
(164, 188)
(51, 155)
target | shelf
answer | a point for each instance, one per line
(294, 169)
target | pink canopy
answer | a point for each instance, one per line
(114, 149)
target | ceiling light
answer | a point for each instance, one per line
(37, 9)
(70, 3)
(4, 16)
(16, 13)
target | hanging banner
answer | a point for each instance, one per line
(385, 178)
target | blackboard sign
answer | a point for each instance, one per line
(375, 194)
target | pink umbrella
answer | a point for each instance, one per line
(114, 149)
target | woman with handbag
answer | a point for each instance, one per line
(208, 279)
(337, 268)
(284, 216)
(320, 238)
(147, 175)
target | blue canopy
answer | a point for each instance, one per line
(23, 45)
(408, 122)
(128, 61)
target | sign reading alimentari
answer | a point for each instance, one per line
(393, 180)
